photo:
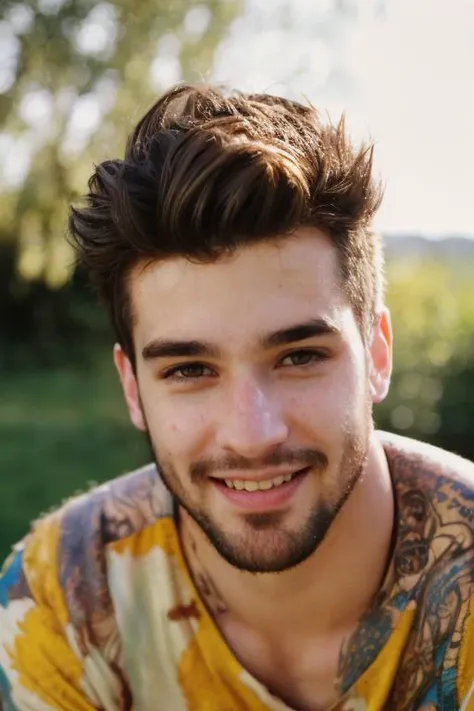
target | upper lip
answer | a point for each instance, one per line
(261, 475)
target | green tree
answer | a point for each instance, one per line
(432, 392)
(81, 73)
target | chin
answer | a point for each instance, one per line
(266, 543)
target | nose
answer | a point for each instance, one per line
(250, 422)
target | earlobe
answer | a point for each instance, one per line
(381, 357)
(129, 383)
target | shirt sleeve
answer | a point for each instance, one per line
(42, 664)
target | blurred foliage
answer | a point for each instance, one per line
(81, 75)
(42, 327)
(432, 391)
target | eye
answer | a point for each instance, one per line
(303, 358)
(188, 372)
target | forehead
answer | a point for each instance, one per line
(259, 287)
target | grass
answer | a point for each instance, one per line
(59, 431)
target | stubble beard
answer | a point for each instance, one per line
(266, 545)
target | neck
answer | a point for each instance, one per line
(332, 588)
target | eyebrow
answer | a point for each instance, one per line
(163, 348)
(300, 332)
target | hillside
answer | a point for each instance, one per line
(450, 248)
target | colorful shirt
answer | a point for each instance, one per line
(98, 609)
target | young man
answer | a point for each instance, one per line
(281, 555)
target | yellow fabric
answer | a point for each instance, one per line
(374, 686)
(48, 674)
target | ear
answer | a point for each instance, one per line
(381, 357)
(130, 387)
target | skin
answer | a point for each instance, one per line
(249, 410)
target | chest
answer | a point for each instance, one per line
(300, 672)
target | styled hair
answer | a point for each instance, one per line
(206, 172)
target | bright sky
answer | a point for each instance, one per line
(403, 70)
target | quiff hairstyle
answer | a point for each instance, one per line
(206, 172)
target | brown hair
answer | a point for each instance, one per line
(206, 172)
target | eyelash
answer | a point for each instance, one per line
(315, 355)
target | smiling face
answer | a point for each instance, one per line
(255, 388)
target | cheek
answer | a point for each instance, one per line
(175, 429)
(327, 405)
(315, 415)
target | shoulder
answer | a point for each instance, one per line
(434, 497)
(63, 561)
(86, 523)
(59, 637)
(434, 566)
(446, 478)
(434, 492)
(115, 510)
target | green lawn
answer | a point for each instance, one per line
(59, 431)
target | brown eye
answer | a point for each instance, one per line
(191, 371)
(302, 358)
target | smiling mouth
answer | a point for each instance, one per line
(250, 485)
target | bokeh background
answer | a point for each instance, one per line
(75, 75)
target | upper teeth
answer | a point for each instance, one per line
(248, 485)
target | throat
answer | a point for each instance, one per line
(294, 663)
(300, 672)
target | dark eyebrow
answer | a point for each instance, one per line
(160, 348)
(300, 332)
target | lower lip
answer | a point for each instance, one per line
(263, 500)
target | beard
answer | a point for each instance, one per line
(265, 543)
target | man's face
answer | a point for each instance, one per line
(255, 389)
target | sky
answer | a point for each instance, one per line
(401, 70)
